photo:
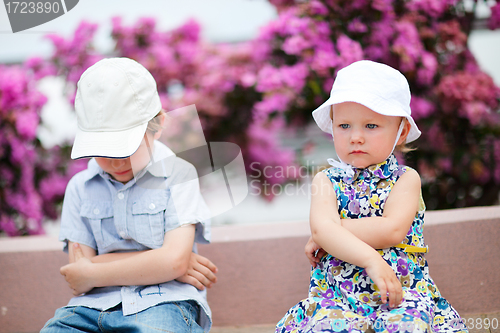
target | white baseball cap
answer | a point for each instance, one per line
(379, 87)
(115, 99)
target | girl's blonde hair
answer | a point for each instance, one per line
(403, 148)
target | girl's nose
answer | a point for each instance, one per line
(117, 162)
(357, 136)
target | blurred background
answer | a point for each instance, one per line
(255, 70)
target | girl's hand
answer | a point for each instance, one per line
(77, 274)
(200, 273)
(314, 252)
(385, 278)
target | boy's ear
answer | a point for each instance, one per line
(163, 119)
(404, 132)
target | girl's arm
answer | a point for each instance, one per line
(400, 208)
(167, 263)
(330, 235)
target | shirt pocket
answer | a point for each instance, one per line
(100, 217)
(149, 219)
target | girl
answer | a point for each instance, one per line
(367, 218)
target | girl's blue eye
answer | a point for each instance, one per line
(344, 126)
(371, 126)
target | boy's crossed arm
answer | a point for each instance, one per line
(173, 261)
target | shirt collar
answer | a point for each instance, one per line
(378, 171)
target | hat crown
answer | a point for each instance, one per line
(379, 80)
(379, 87)
(114, 95)
(115, 99)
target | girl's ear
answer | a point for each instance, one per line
(404, 132)
(162, 118)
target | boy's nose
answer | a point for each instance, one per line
(117, 162)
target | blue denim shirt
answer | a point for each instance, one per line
(109, 216)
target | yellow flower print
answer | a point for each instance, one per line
(322, 313)
(438, 320)
(374, 201)
(422, 286)
(364, 297)
(321, 285)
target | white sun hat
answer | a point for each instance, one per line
(115, 99)
(379, 87)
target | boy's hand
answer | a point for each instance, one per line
(385, 278)
(200, 273)
(77, 274)
(314, 252)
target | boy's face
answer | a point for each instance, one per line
(122, 169)
(363, 137)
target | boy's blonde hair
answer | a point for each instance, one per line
(403, 148)
(154, 125)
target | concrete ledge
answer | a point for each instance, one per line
(263, 270)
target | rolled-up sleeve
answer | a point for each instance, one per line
(186, 204)
(74, 227)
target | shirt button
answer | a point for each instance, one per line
(152, 206)
(123, 234)
(120, 196)
(96, 211)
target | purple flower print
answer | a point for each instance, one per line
(328, 293)
(327, 303)
(378, 173)
(403, 267)
(354, 207)
(347, 285)
(413, 312)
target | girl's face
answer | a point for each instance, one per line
(363, 137)
(123, 169)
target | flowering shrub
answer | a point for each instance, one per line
(32, 179)
(455, 104)
(248, 92)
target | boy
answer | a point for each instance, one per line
(131, 246)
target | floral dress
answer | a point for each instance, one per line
(343, 298)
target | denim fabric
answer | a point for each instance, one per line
(109, 216)
(175, 317)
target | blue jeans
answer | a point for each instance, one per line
(176, 317)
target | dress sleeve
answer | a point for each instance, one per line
(74, 227)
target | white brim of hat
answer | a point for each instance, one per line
(111, 144)
(322, 114)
